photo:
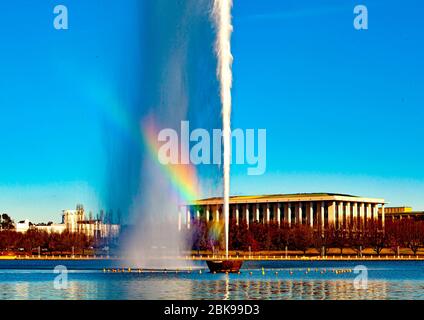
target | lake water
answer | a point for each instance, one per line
(277, 280)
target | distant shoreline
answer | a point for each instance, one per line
(281, 258)
(77, 257)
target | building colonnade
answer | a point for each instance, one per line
(349, 215)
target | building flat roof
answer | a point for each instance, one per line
(297, 197)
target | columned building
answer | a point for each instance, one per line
(317, 210)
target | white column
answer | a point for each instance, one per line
(268, 213)
(332, 213)
(375, 213)
(278, 213)
(237, 214)
(341, 215)
(288, 212)
(257, 212)
(198, 214)
(349, 218)
(311, 214)
(179, 219)
(368, 212)
(382, 216)
(217, 213)
(322, 215)
(188, 217)
(355, 215)
(299, 213)
(362, 214)
(208, 212)
(247, 215)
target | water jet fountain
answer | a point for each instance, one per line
(224, 28)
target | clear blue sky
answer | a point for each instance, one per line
(51, 128)
(343, 108)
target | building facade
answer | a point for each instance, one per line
(98, 229)
(317, 210)
(72, 218)
(51, 228)
(399, 213)
(22, 226)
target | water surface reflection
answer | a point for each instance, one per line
(322, 282)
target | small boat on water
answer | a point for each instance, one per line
(224, 266)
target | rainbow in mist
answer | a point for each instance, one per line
(183, 177)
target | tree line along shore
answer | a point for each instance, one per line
(41, 243)
(399, 237)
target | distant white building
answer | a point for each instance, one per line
(72, 218)
(74, 221)
(22, 226)
(52, 228)
(98, 229)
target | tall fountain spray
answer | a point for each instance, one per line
(222, 16)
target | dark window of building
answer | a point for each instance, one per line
(304, 212)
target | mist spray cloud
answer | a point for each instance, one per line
(177, 83)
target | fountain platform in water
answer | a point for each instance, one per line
(224, 266)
